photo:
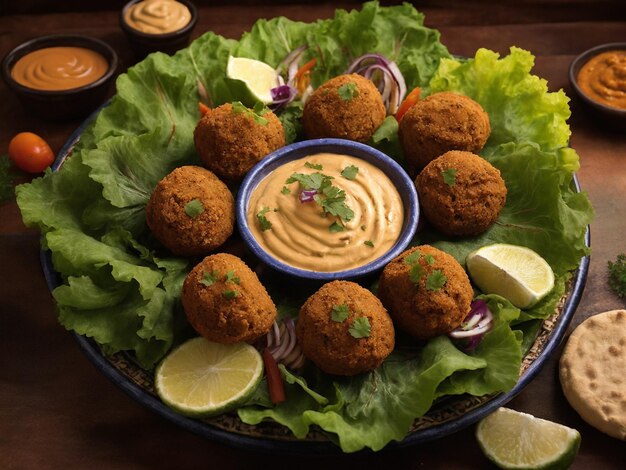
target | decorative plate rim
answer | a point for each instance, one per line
(562, 317)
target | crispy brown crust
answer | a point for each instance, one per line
(180, 233)
(326, 114)
(246, 317)
(230, 144)
(415, 309)
(329, 344)
(439, 123)
(468, 207)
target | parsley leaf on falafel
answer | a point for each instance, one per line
(339, 313)
(347, 91)
(194, 208)
(436, 280)
(449, 176)
(360, 328)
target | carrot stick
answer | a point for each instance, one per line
(203, 108)
(408, 103)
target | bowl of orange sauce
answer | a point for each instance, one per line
(60, 76)
(598, 77)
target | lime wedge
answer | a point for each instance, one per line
(511, 439)
(201, 378)
(251, 80)
(514, 272)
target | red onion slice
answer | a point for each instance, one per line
(390, 83)
(476, 324)
(307, 195)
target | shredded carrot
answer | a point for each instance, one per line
(303, 75)
(408, 103)
(203, 108)
(275, 383)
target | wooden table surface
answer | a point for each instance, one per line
(58, 411)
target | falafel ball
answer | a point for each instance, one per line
(344, 329)
(191, 212)
(225, 302)
(461, 193)
(231, 140)
(346, 107)
(426, 292)
(441, 122)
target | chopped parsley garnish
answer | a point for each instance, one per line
(331, 199)
(347, 91)
(617, 275)
(430, 259)
(335, 227)
(360, 328)
(230, 277)
(194, 208)
(208, 279)
(417, 271)
(436, 280)
(230, 294)
(339, 313)
(255, 113)
(449, 176)
(350, 172)
(285, 190)
(313, 166)
(265, 224)
(369, 243)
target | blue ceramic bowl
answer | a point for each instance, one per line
(395, 172)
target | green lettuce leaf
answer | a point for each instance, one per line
(119, 288)
(518, 103)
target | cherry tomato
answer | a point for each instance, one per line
(30, 152)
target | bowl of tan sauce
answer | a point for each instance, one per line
(158, 25)
(60, 76)
(327, 209)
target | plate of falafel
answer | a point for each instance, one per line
(144, 248)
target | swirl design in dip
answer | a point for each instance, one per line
(303, 236)
(603, 78)
(59, 68)
(157, 16)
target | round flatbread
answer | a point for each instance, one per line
(593, 372)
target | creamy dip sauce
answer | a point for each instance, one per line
(300, 233)
(157, 16)
(603, 78)
(59, 68)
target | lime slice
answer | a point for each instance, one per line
(511, 439)
(251, 80)
(201, 378)
(514, 272)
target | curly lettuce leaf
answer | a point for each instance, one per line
(404, 387)
(519, 105)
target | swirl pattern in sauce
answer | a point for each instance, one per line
(603, 78)
(59, 68)
(300, 235)
(157, 16)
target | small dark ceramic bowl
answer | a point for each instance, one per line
(612, 116)
(395, 172)
(61, 104)
(144, 43)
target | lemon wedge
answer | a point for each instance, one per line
(251, 80)
(515, 440)
(514, 272)
(201, 378)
